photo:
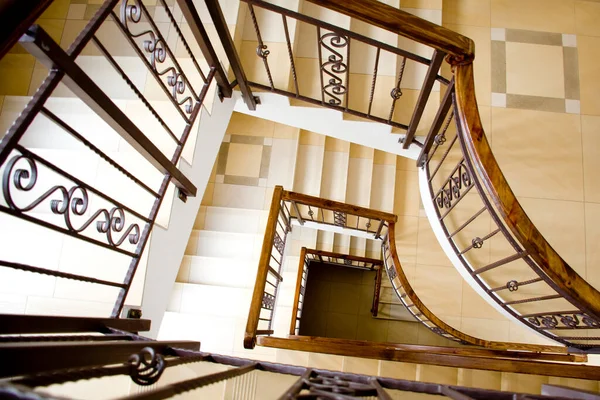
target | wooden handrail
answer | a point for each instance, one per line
(363, 212)
(392, 352)
(444, 326)
(569, 283)
(460, 48)
(464, 351)
(263, 270)
(344, 256)
(301, 265)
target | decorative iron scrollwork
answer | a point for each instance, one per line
(396, 93)
(512, 286)
(347, 262)
(268, 301)
(392, 272)
(262, 51)
(278, 243)
(334, 66)
(337, 388)
(438, 330)
(21, 172)
(457, 184)
(339, 218)
(146, 367)
(440, 139)
(573, 321)
(157, 51)
(477, 242)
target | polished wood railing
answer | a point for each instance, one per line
(310, 257)
(489, 234)
(421, 312)
(288, 209)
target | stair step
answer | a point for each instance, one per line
(235, 220)
(218, 271)
(189, 298)
(223, 244)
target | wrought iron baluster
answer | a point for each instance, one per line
(373, 81)
(133, 87)
(262, 49)
(396, 92)
(334, 66)
(183, 41)
(290, 53)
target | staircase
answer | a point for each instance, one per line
(315, 151)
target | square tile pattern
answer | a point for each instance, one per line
(244, 160)
(535, 70)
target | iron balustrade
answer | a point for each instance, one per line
(72, 359)
(44, 189)
(467, 213)
(335, 59)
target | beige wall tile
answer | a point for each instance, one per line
(553, 218)
(361, 365)
(440, 288)
(292, 357)
(590, 129)
(436, 374)
(527, 145)
(475, 306)
(407, 231)
(466, 12)
(536, 15)
(535, 70)
(325, 361)
(242, 124)
(486, 328)
(589, 70)
(429, 251)
(397, 370)
(407, 195)
(523, 383)
(429, 4)
(587, 15)
(481, 379)
(592, 237)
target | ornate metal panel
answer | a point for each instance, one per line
(333, 70)
(339, 218)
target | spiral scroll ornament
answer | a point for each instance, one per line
(146, 367)
(572, 321)
(458, 184)
(21, 175)
(157, 51)
(334, 67)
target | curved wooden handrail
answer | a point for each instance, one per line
(568, 282)
(431, 317)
